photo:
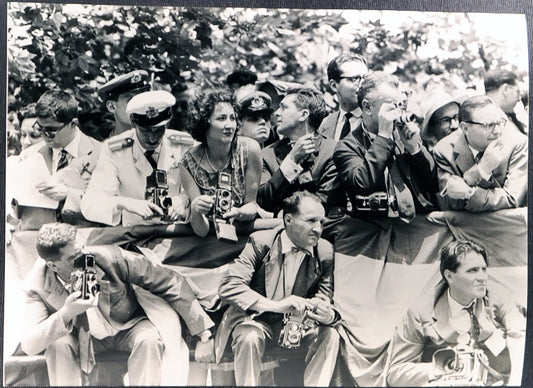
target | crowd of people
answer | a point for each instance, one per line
(240, 154)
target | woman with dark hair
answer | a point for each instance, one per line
(221, 162)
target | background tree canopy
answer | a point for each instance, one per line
(79, 47)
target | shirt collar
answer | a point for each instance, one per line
(356, 113)
(474, 152)
(456, 307)
(72, 147)
(287, 245)
(370, 135)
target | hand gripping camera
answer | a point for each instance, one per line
(223, 203)
(294, 327)
(83, 277)
(157, 190)
(460, 365)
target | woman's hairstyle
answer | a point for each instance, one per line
(201, 109)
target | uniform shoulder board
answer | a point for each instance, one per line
(118, 144)
(181, 139)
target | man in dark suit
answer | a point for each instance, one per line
(382, 165)
(345, 74)
(67, 327)
(282, 271)
(69, 155)
(462, 313)
(302, 160)
(483, 165)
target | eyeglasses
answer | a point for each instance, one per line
(489, 126)
(356, 79)
(447, 120)
(49, 132)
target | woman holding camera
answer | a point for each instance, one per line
(223, 167)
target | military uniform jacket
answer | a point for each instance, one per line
(275, 187)
(123, 172)
(117, 270)
(256, 271)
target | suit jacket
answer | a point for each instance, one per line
(255, 273)
(361, 168)
(329, 124)
(123, 172)
(507, 186)
(75, 176)
(117, 270)
(427, 328)
(275, 187)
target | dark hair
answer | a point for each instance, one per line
(291, 204)
(372, 82)
(307, 98)
(496, 78)
(27, 112)
(52, 237)
(201, 109)
(58, 105)
(334, 65)
(472, 103)
(241, 78)
(452, 254)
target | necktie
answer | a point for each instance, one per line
(517, 122)
(478, 157)
(63, 160)
(86, 350)
(150, 157)
(474, 328)
(346, 127)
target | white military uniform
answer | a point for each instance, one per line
(121, 172)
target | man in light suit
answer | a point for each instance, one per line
(463, 312)
(117, 192)
(70, 329)
(482, 167)
(302, 160)
(281, 271)
(69, 155)
(345, 74)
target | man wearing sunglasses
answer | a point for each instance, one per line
(345, 73)
(481, 167)
(69, 156)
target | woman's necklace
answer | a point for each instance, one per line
(211, 164)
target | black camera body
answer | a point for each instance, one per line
(83, 277)
(376, 202)
(294, 327)
(223, 203)
(157, 190)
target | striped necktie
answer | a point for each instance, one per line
(63, 160)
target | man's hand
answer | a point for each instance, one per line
(246, 212)
(386, 116)
(53, 190)
(492, 157)
(410, 137)
(75, 306)
(303, 147)
(176, 212)
(205, 351)
(322, 311)
(202, 204)
(291, 304)
(141, 207)
(456, 188)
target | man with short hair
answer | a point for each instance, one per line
(69, 328)
(383, 167)
(282, 271)
(503, 88)
(69, 156)
(136, 164)
(302, 160)
(461, 314)
(345, 74)
(117, 92)
(481, 167)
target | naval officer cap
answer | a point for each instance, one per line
(152, 108)
(134, 81)
(254, 103)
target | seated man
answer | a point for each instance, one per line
(282, 271)
(138, 164)
(461, 314)
(382, 165)
(69, 328)
(255, 113)
(481, 167)
(69, 156)
(302, 160)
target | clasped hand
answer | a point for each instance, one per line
(303, 147)
(456, 188)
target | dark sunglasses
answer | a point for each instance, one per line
(49, 132)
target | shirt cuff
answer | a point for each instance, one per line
(290, 169)
(484, 174)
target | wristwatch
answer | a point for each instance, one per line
(205, 336)
(470, 193)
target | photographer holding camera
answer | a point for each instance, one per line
(382, 165)
(464, 333)
(102, 311)
(136, 180)
(280, 292)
